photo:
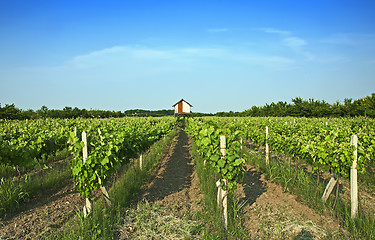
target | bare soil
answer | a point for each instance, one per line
(267, 211)
(44, 213)
(366, 194)
(174, 184)
(270, 213)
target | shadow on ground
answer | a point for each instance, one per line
(253, 186)
(175, 172)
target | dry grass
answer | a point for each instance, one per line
(151, 221)
(277, 224)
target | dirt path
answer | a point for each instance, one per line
(270, 213)
(175, 184)
(168, 202)
(267, 211)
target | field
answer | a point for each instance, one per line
(161, 176)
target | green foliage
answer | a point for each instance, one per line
(9, 111)
(11, 194)
(104, 222)
(211, 215)
(24, 143)
(323, 143)
(207, 138)
(111, 143)
(363, 227)
(311, 108)
(15, 190)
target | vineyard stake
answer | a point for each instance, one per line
(223, 145)
(219, 194)
(224, 194)
(267, 147)
(353, 178)
(141, 161)
(87, 208)
(106, 195)
(329, 188)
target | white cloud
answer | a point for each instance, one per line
(271, 62)
(155, 60)
(340, 39)
(296, 44)
(351, 39)
(217, 30)
(275, 31)
(208, 52)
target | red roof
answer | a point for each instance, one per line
(181, 101)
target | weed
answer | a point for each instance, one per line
(363, 227)
(11, 194)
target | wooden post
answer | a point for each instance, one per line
(84, 149)
(329, 188)
(225, 205)
(353, 178)
(75, 131)
(267, 147)
(141, 161)
(224, 194)
(106, 195)
(219, 193)
(88, 207)
(223, 145)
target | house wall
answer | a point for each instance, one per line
(182, 107)
(185, 107)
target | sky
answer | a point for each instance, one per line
(218, 55)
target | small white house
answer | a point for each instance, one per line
(182, 107)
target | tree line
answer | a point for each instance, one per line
(10, 111)
(298, 108)
(311, 108)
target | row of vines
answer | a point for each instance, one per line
(322, 143)
(112, 142)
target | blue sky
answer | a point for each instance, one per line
(218, 55)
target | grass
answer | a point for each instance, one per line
(14, 191)
(151, 221)
(18, 185)
(367, 179)
(7, 171)
(214, 228)
(106, 222)
(363, 227)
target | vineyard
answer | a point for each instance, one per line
(114, 158)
